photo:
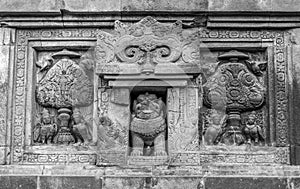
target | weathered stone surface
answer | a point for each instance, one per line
(91, 5)
(167, 5)
(232, 5)
(295, 183)
(253, 5)
(178, 183)
(295, 101)
(63, 182)
(6, 50)
(123, 183)
(32, 5)
(245, 183)
(16, 182)
(102, 5)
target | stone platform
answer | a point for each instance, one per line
(234, 176)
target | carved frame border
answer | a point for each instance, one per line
(276, 46)
(279, 81)
(22, 72)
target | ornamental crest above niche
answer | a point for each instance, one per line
(147, 47)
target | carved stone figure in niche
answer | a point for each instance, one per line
(234, 88)
(215, 123)
(81, 128)
(253, 131)
(148, 125)
(65, 85)
(46, 129)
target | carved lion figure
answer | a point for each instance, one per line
(148, 125)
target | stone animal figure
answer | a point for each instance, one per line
(148, 126)
(215, 125)
(252, 131)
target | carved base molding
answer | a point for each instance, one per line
(274, 156)
(147, 160)
(54, 158)
(257, 156)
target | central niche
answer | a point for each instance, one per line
(148, 123)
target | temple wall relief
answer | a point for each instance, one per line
(147, 93)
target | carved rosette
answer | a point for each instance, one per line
(234, 88)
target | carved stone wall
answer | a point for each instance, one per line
(140, 55)
(149, 94)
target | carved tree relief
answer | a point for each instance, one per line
(63, 87)
(233, 89)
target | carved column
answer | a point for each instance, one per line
(7, 39)
(295, 97)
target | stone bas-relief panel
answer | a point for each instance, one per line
(157, 57)
(234, 88)
(64, 99)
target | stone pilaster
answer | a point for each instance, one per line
(7, 40)
(295, 97)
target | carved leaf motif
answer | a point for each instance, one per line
(65, 85)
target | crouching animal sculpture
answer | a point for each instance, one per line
(148, 126)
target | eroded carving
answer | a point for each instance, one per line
(253, 131)
(214, 126)
(148, 125)
(81, 128)
(45, 129)
(111, 134)
(234, 88)
(64, 135)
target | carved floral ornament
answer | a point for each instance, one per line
(143, 47)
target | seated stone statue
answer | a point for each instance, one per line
(148, 125)
(45, 130)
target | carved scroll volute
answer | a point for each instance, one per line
(140, 47)
(234, 88)
(149, 43)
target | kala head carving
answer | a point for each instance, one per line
(148, 125)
